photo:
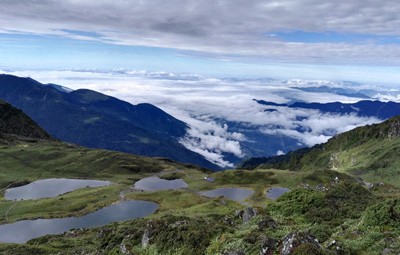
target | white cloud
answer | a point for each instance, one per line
(226, 28)
(207, 104)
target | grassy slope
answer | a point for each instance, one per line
(205, 230)
(27, 162)
(370, 152)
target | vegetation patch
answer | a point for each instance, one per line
(343, 200)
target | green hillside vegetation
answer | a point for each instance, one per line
(370, 152)
(187, 223)
(326, 211)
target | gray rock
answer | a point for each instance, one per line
(321, 187)
(394, 130)
(268, 246)
(295, 239)
(123, 247)
(247, 214)
(178, 224)
(387, 251)
(267, 222)
(148, 234)
(228, 221)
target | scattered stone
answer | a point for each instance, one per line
(295, 239)
(123, 246)
(321, 187)
(336, 247)
(103, 232)
(333, 243)
(246, 214)
(228, 221)
(268, 246)
(267, 222)
(223, 202)
(148, 234)
(387, 251)
(394, 130)
(178, 223)
(306, 186)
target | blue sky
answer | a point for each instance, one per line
(355, 40)
(336, 37)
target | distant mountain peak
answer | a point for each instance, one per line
(95, 120)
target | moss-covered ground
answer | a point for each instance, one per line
(358, 220)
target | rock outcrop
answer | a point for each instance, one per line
(294, 240)
(148, 234)
(247, 214)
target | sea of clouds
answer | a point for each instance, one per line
(211, 106)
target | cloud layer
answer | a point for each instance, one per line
(221, 111)
(226, 28)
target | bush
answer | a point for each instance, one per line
(308, 249)
(342, 201)
(386, 213)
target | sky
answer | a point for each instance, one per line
(356, 40)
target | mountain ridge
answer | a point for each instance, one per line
(369, 151)
(16, 123)
(365, 108)
(95, 120)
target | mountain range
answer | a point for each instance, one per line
(95, 120)
(339, 196)
(367, 108)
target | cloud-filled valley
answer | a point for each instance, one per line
(226, 124)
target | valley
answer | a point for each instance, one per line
(313, 201)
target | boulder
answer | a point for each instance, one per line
(247, 214)
(268, 246)
(296, 239)
(124, 247)
(267, 223)
(148, 234)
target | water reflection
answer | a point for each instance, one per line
(50, 188)
(237, 194)
(22, 231)
(154, 183)
(275, 192)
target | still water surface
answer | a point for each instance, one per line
(22, 231)
(236, 194)
(275, 192)
(154, 183)
(50, 188)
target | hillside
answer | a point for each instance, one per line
(370, 152)
(14, 123)
(94, 120)
(326, 212)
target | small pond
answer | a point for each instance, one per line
(50, 188)
(154, 183)
(237, 194)
(22, 231)
(275, 192)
